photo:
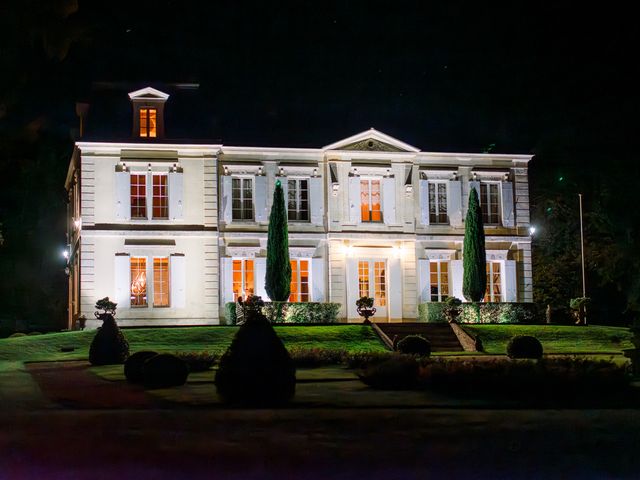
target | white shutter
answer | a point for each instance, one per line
(457, 272)
(260, 199)
(260, 272)
(507, 204)
(178, 287)
(316, 203)
(510, 282)
(424, 202)
(122, 272)
(317, 280)
(389, 200)
(123, 195)
(454, 203)
(175, 195)
(226, 199)
(424, 285)
(354, 200)
(227, 279)
(352, 290)
(395, 288)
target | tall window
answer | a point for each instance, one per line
(438, 202)
(299, 281)
(439, 281)
(372, 281)
(148, 122)
(138, 196)
(160, 197)
(494, 283)
(298, 200)
(138, 288)
(370, 201)
(243, 279)
(242, 198)
(161, 282)
(490, 203)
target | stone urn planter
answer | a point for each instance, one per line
(365, 308)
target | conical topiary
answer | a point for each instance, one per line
(278, 275)
(256, 369)
(474, 282)
(109, 346)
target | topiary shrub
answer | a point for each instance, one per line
(109, 346)
(414, 345)
(256, 369)
(164, 370)
(524, 346)
(134, 365)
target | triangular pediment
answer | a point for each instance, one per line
(148, 93)
(372, 141)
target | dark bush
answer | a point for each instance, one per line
(17, 334)
(397, 373)
(415, 345)
(109, 346)
(367, 359)
(524, 346)
(198, 361)
(256, 369)
(34, 333)
(133, 367)
(164, 370)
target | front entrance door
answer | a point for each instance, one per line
(372, 282)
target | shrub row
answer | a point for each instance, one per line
(525, 313)
(156, 370)
(306, 312)
(548, 378)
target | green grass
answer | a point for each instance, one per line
(353, 338)
(555, 338)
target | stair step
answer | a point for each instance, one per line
(440, 335)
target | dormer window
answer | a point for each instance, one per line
(148, 113)
(148, 125)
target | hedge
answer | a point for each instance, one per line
(305, 312)
(525, 313)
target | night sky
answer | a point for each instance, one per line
(555, 79)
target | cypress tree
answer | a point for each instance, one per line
(278, 277)
(474, 282)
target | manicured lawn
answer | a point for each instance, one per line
(555, 338)
(353, 338)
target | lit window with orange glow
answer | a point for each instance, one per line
(161, 282)
(148, 118)
(138, 282)
(494, 283)
(243, 279)
(299, 288)
(160, 197)
(370, 201)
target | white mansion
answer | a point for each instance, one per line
(174, 231)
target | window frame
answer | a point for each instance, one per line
(485, 203)
(144, 119)
(243, 280)
(298, 200)
(434, 218)
(168, 281)
(299, 290)
(440, 296)
(369, 179)
(150, 286)
(242, 199)
(489, 295)
(145, 197)
(146, 280)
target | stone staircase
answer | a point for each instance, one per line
(441, 335)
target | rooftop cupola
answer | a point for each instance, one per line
(148, 113)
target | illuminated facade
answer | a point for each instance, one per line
(174, 231)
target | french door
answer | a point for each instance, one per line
(372, 282)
